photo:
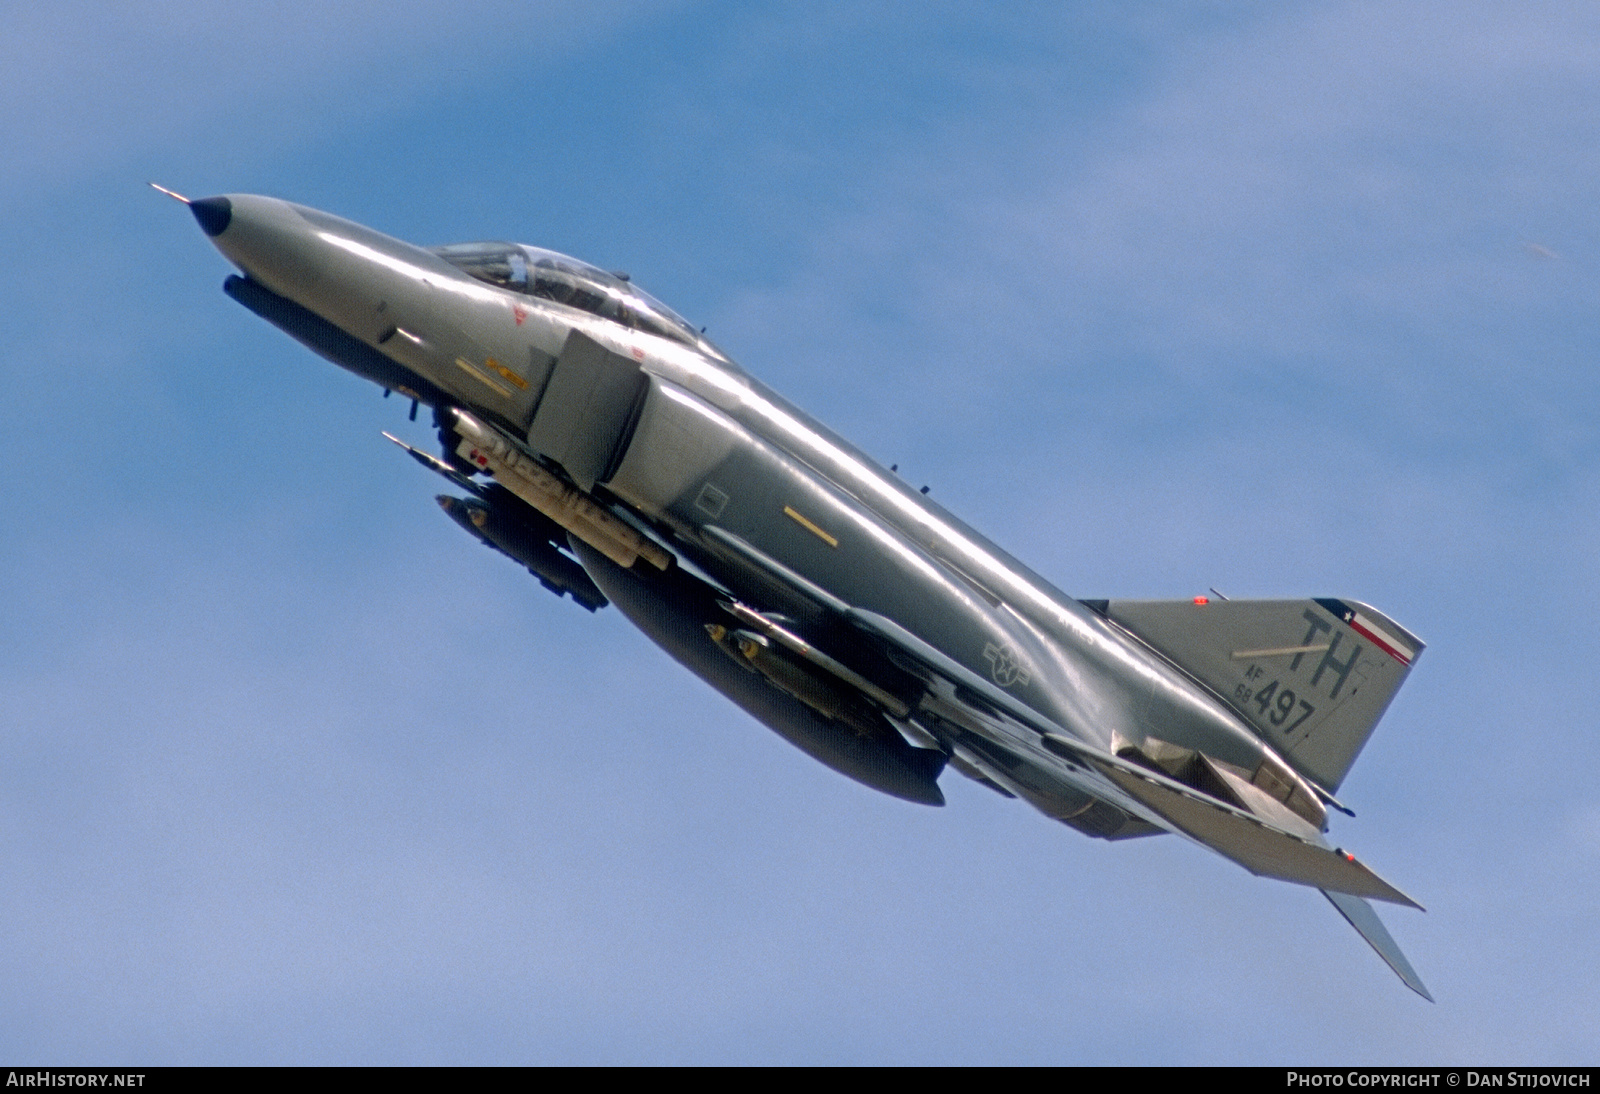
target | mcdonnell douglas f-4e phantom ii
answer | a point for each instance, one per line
(602, 442)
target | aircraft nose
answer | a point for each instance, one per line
(214, 215)
(269, 240)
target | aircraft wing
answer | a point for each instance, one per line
(1264, 848)
(1021, 753)
(1262, 837)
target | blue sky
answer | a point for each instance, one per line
(1285, 299)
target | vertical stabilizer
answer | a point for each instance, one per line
(1310, 677)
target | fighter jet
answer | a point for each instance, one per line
(603, 442)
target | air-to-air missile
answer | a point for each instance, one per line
(497, 518)
(605, 444)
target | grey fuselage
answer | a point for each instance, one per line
(729, 477)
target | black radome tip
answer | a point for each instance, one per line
(213, 214)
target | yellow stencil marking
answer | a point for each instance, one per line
(789, 512)
(496, 366)
(464, 366)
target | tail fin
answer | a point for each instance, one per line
(1361, 916)
(1310, 677)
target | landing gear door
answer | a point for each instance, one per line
(588, 410)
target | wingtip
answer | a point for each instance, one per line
(1388, 893)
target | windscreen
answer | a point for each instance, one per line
(562, 280)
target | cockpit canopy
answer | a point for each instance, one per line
(547, 275)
